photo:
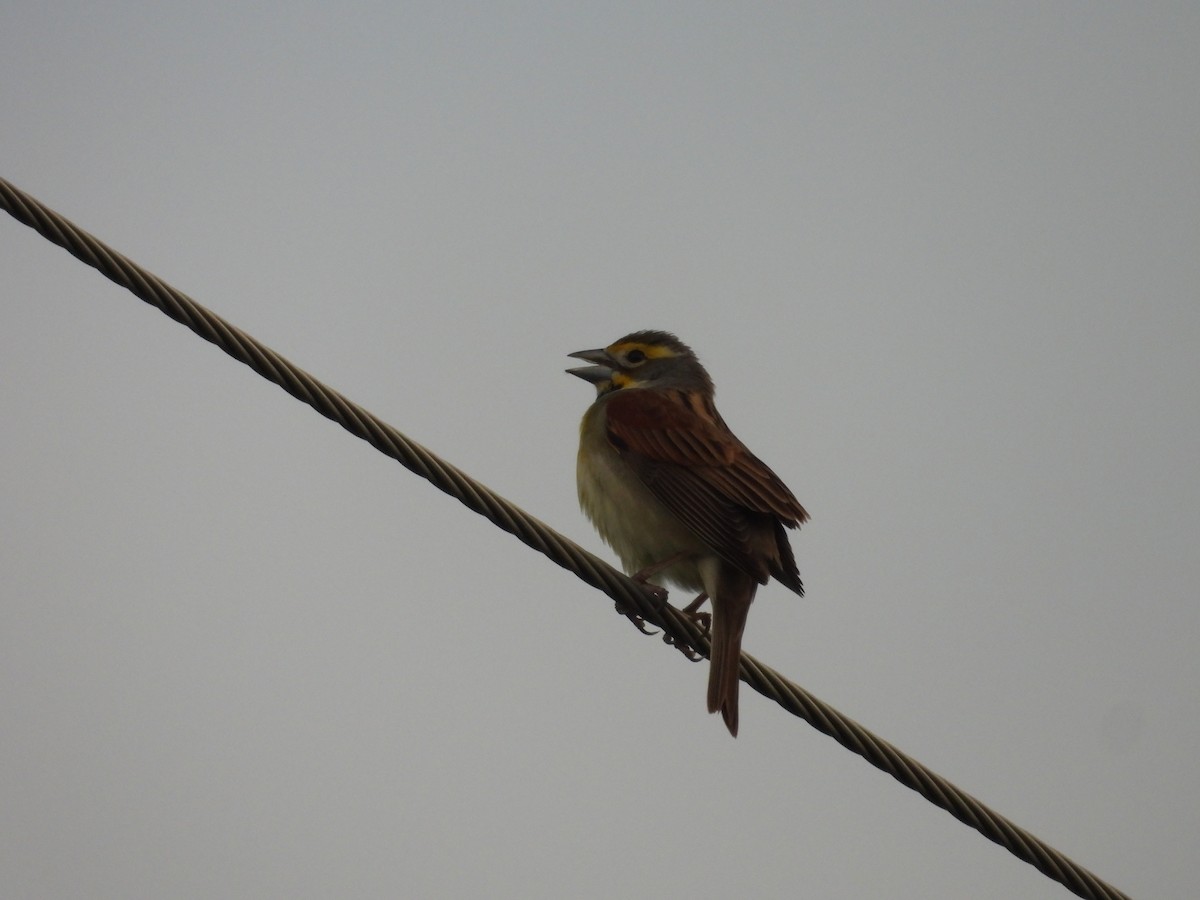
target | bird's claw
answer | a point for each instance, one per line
(686, 649)
(702, 620)
(638, 622)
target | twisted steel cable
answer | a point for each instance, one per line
(636, 600)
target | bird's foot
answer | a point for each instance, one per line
(702, 619)
(659, 594)
(686, 649)
(643, 576)
(638, 622)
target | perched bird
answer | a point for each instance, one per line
(677, 496)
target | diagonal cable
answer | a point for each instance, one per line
(635, 598)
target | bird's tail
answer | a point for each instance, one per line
(729, 610)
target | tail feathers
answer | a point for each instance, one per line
(730, 609)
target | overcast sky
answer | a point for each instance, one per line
(944, 266)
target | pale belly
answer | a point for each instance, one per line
(635, 523)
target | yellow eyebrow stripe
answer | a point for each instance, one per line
(652, 351)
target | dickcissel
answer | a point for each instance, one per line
(677, 496)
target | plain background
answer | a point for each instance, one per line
(943, 262)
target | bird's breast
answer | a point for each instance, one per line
(630, 519)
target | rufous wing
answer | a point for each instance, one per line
(686, 455)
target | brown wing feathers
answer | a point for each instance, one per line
(707, 477)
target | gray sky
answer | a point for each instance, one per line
(943, 265)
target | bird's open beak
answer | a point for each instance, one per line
(602, 371)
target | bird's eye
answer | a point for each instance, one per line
(635, 357)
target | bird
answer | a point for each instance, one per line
(677, 496)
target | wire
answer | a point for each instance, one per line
(636, 600)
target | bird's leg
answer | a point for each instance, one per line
(692, 611)
(643, 575)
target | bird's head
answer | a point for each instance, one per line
(653, 359)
